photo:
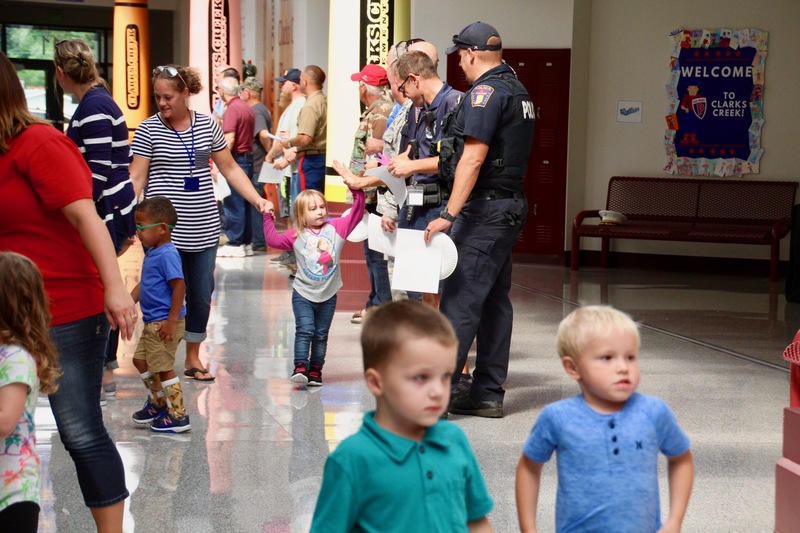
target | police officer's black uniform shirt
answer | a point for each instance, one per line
(428, 132)
(486, 116)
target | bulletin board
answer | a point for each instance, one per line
(715, 102)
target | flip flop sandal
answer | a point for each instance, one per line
(190, 373)
(357, 317)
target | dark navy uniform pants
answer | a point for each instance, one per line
(475, 297)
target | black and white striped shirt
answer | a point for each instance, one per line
(169, 154)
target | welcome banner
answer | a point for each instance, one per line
(715, 110)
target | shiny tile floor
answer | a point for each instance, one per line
(254, 458)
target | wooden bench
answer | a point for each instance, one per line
(694, 210)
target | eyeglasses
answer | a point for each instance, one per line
(400, 87)
(171, 72)
(140, 229)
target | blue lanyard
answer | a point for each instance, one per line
(188, 153)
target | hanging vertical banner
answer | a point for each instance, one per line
(131, 76)
(376, 30)
(715, 114)
(215, 40)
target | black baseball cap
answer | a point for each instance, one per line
(292, 74)
(474, 37)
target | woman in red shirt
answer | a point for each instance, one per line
(47, 214)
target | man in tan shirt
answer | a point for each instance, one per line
(312, 126)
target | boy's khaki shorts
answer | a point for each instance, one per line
(160, 356)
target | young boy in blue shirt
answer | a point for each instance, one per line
(160, 294)
(607, 438)
(406, 469)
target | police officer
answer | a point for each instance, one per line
(484, 154)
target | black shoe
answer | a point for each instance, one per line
(467, 405)
(259, 247)
(463, 385)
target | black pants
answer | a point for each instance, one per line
(475, 297)
(20, 517)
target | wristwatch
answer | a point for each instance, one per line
(447, 216)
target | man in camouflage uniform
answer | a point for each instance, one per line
(372, 90)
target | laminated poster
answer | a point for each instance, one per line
(714, 115)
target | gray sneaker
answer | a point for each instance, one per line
(103, 399)
(110, 389)
(289, 260)
(281, 257)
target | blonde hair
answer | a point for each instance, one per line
(301, 206)
(388, 326)
(580, 326)
(25, 316)
(14, 114)
(76, 60)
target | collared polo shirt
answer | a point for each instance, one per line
(377, 481)
(313, 121)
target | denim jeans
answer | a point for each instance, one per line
(238, 226)
(312, 324)
(76, 407)
(198, 273)
(380, 289)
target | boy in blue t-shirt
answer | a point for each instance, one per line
(160, 294)
(607, 438)
(405, 470)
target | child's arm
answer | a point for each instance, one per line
(168, 327)
(345, 225)
(135, 293)
(12, 402)
(529, 476)
(281, 241)
(681, 478)
(481, 525)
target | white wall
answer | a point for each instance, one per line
(629, 55)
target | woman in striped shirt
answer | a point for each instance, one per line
(171, 152)
(99, 130)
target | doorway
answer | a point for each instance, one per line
(545, 74)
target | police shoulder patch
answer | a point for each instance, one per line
(480, 95)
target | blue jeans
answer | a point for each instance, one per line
(198, 273)
(76, 407)
(256, 218)
(312, 324)
(238, 226)
(380, 289)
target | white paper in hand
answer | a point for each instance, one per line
(396, 185)
(270, 174)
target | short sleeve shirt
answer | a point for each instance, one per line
(263, 122)
(169, 154)
(313, 121)
(428, 132)
(607, 463)
(488, 100)
(377, 481)
(19, 461)
(161, 265)
(240, 119)
(41, 174)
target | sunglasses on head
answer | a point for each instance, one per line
(402, 47)
(170, 72)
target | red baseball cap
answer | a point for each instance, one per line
(372, 74)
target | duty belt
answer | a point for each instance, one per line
(494, 194)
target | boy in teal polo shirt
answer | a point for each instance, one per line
(406, 469)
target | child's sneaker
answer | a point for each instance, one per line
(148, 413)
(300, 374)
(315, 376)
(167, 423)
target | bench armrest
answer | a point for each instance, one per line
(583, 215)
